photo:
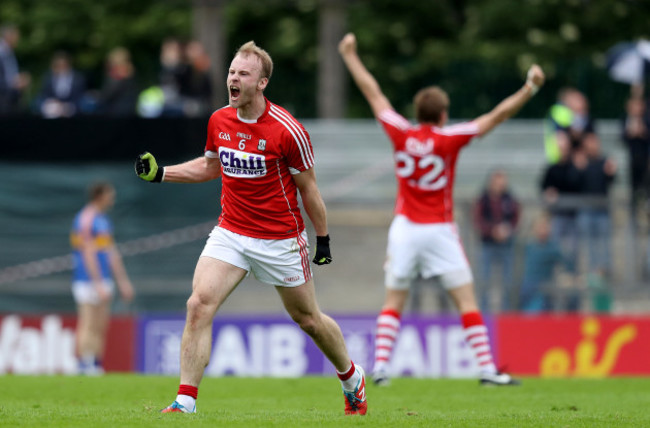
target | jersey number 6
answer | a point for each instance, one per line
(406, 166)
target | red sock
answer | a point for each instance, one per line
(388, 325)
(477, 338)
(190, 390)
(347, 375)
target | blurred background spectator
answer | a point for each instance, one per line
(566, 123)
(594, 222)
(542, 258)
(184, 83)
(120, 90)
(196, 88)
(496, 216)
(62, 89)
(12, 81)
(561, 188)
(636, 136)
(581, 122)
(172, 69)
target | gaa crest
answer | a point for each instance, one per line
(261, 145)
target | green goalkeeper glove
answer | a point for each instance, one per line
(147, 169)
(323, 255)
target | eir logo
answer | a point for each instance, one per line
(236, 163)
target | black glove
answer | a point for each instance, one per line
(323, 255)
(147, 169)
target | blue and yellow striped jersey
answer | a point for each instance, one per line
(93, 225)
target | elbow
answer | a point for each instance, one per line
(210, 174)
(501, 117)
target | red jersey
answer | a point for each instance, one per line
(258, 196)
(425, 163)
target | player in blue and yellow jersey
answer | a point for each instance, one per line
(96, 263)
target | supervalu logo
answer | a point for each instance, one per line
(236, 163)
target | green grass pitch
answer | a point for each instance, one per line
(134, 400)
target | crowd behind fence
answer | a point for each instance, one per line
(354, 168)
(181, 89)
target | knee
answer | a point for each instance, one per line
(198, 306)
(307, 322)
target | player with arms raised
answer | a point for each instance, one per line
(423, 237)
(264, 157)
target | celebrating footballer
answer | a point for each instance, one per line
(423, 238)
(264, 158)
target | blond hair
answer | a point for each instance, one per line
(430, 103)
(250, 48)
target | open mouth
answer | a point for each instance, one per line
(234, 92)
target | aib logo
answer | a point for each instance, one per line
(236, 163)
(587, 360)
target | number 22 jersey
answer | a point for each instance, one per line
(425, 163)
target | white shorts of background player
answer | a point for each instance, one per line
(428, 249)
(85, 293)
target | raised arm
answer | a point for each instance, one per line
(196, 170)
(511, 105)
(365, 81)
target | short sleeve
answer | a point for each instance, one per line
(393, 123)
(211, 149)
(102, 226)
(461, 133)
(103, 232)
(299, 151)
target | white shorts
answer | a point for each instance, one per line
(431, 250)
(279, 262)
(84, 292)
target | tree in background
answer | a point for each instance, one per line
(409, 43)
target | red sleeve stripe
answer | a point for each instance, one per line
(465, 128)
(298, 134)
(393, 118)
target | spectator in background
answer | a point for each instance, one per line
(636, 136)
(542, 257)
(12, 81)
(196, 88)
(561, 186)
(581, 124)
(496, 216)
(172, 70)
(120, 92)
(185, 88)
(96, 262)
(567, 122)
(62, 90)
(594, 222)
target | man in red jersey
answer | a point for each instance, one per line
(264, 157)
(423, 237)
